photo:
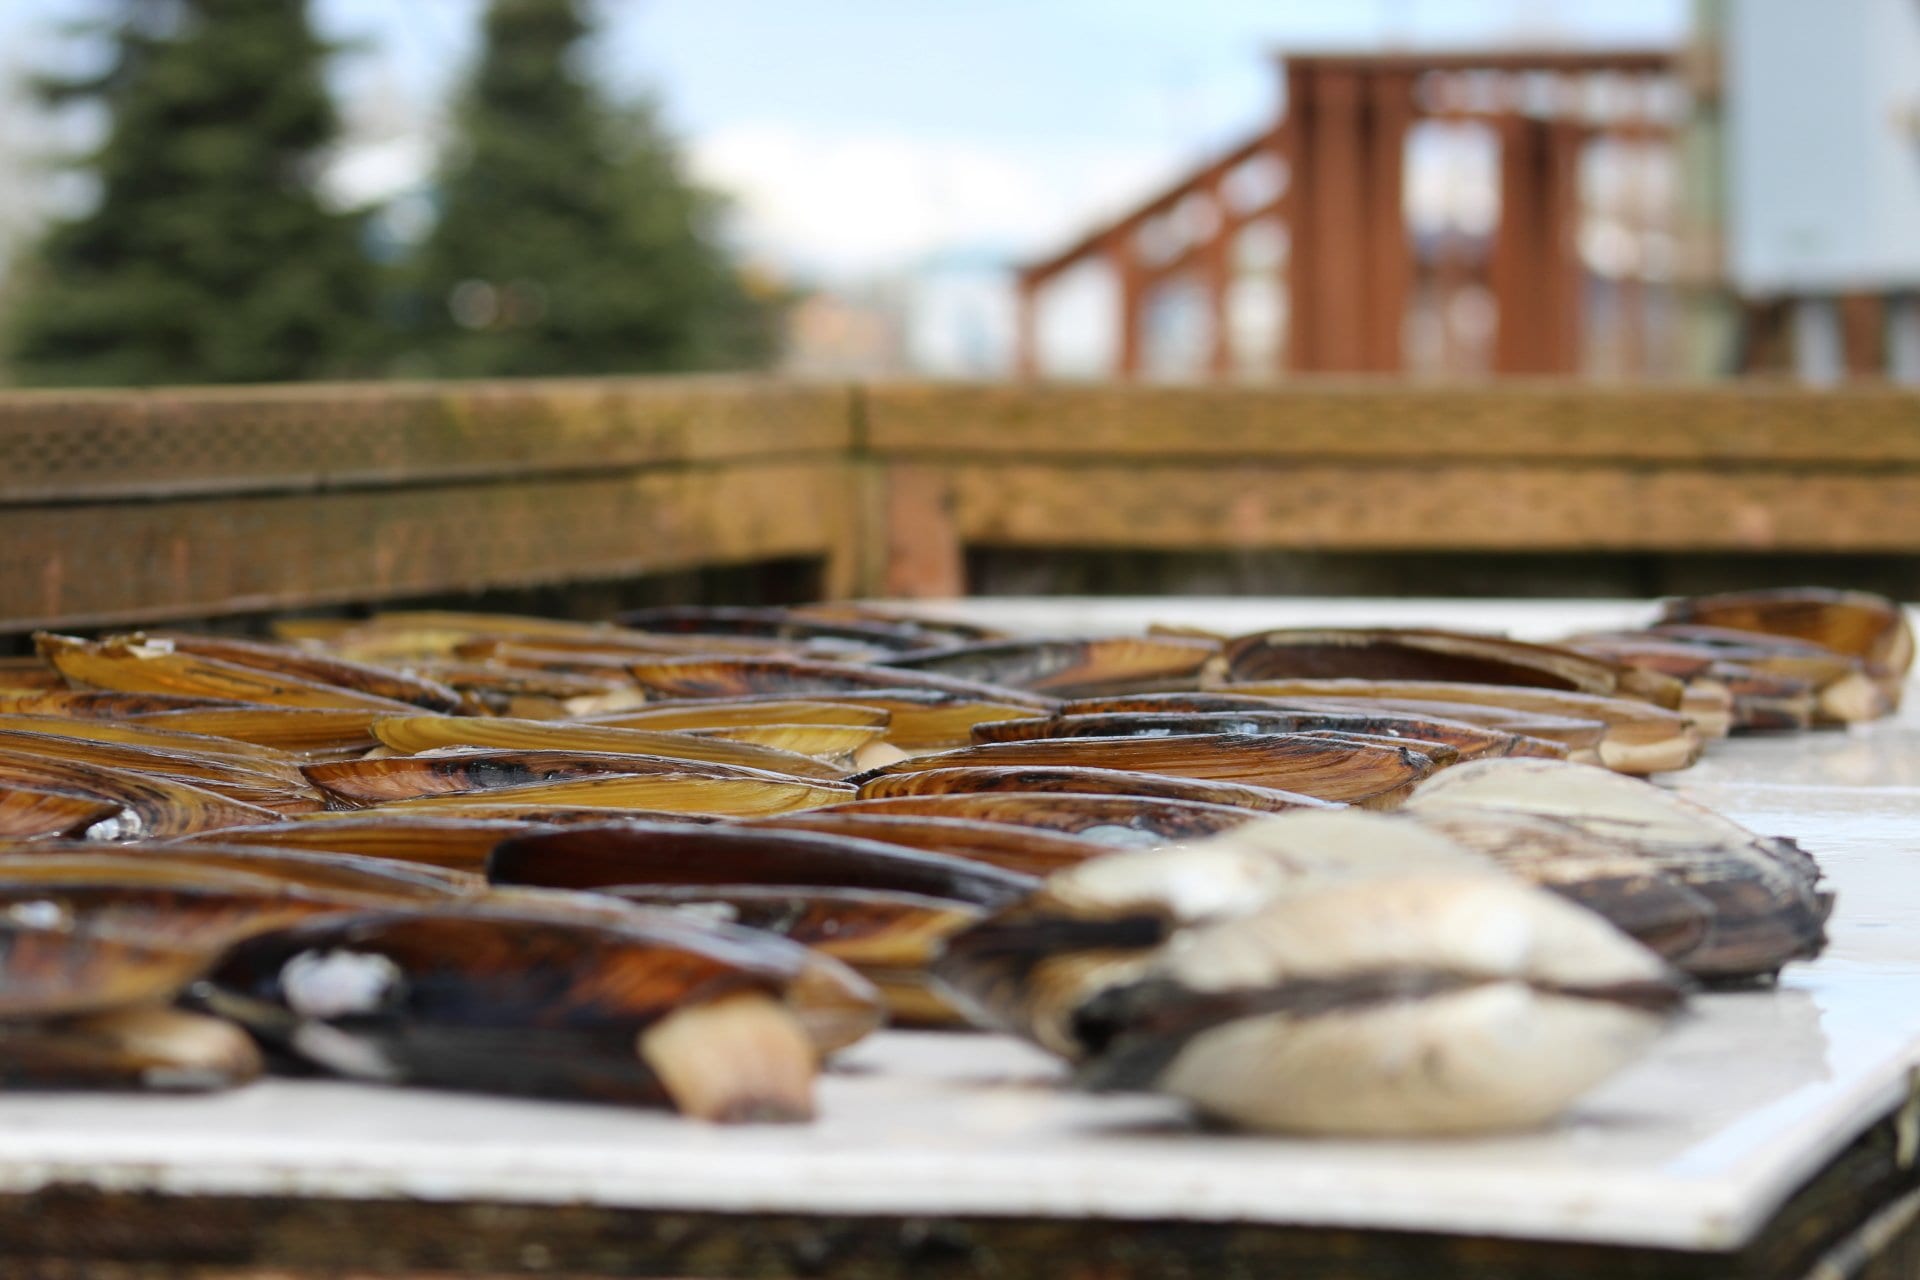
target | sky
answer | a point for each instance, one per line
(864, 139)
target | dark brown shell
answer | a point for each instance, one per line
(1108, 819)
(1469, 740)
(374, 781)
(26, 814)
(152, 805)
(498, 1000)
(1012, 848)
(320, 668)
(771, 624)
(721, 678)
(1410, 654)
(457, 844)
(1857, 623)
(1325, 769)
(1068, 667)
(1087, 781)
(99, 705)
(636, 853)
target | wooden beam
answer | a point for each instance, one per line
(1421, 507)
(83, 564)
(68, 446)
(1863, 426)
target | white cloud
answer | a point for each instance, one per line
(846, 205)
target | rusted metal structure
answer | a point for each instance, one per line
(1335, 166)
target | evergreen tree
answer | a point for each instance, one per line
(569, 239)
(209, 256)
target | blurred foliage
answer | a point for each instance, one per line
(569, 239)
(209, 256)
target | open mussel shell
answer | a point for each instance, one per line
(791, 677)
(849, 635)
(133, 732)
(656, 1009)
(320, 668)
(27, 814)
(269, 784)
(95, 704)
(661, 854)
(1013, 848)
(433, 733)
(889, 938)
(459, 845)
(1303, 1016)
(82, 935)
(1345, 771)
(696, 713)
(150, 804)
(321, 871)
(1353, 653)
(150, 1047)
(1113, 820)
(1085, 780)
(138, 666)
(1858, 623)
(1637, 737)
(696, 790)
(1607, 875)
(1070, 667)
(377, 779)
(1469, 740)
(295, 730)
(1767, 897)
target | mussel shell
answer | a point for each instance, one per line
(1852, 622)
(772, 624)
(1086, 781)
(456, 844)
(323, 872)
(1326, 769)
(148, 1048)
(1354, 653)
(95, 704)
(862, 927)
(1070, 667)
(1108, 819)
(1020, 849)
(695, 792)
(636, 853)
(373, 781)
(320, 668)
(684, 713)
(152, 804)
(1468, 739)
(26, 813)
(290, 729)
(434, 733)
(129, 666)
(505, 1001)
(698, 678)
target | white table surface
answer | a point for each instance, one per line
(1694, 1147)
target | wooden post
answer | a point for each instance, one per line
(921, 536)
(1026, 338)
(1388, 258)
(1124, 254)
(1536, 271)
(1218, 266)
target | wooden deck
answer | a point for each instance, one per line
(130, 506)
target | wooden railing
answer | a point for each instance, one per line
(134, 506)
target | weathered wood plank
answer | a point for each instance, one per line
(64, 446)
(1329, 420)
(85, 564)
(1465, 507)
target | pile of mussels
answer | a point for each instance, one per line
(1378, 880)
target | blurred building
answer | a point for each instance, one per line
(1747, 203)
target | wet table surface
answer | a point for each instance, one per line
(1694, 1147)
